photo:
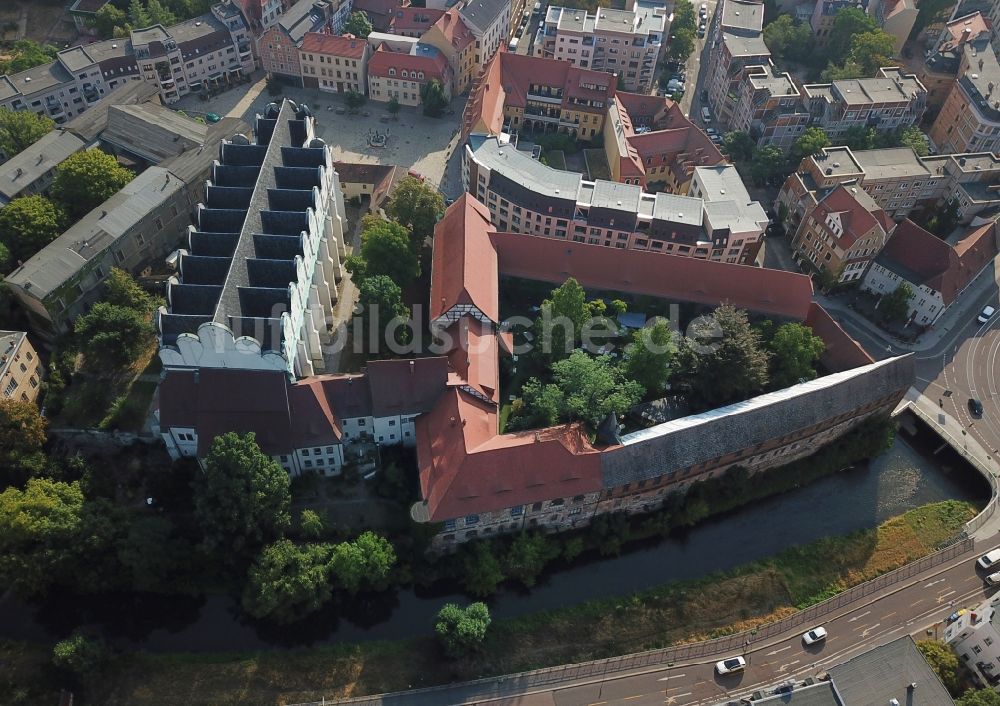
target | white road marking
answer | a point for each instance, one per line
(673, 676)
(858, 617)
(774, 652)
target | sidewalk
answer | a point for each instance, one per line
(958, 313)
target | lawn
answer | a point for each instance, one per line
(597, 164)
(673, 613)
(555, 159)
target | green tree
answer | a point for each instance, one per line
(895, 306)
(121, 289)
(682, 42)
(137, 15)
(433, 98)
(39, 528)
(528, 557)
(848, 70)
(872, 50)
(648, 357)
(462, 630)
(913, 137)
(978, 697)
(944, 219)
(112, 338)
(87, 179)
(106, 19)
(26, 54)
(858, 138)
(358, 25)
(739, 146)
(310, 524)
(618, 307)
(482, 572)
(380, 294)
(788, 40)
(363, 564)
(288, 582)
(794, 353)
(849, 22)
(393, 106)
(385, 250)
(22, 430)
(811, 141)
(725, 361)
(85, 658)
(241, 499)
(943, 660)
(542, 406)
(928, 12)
(159, 15)
(768, 162)
(354, 100)
(561, 320)
(30, 223)
(19, 129)
(153, 554)
(418, 206)
(594, 387)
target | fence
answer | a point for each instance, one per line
(730, 644)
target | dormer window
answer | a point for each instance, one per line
(420, 75)
(392, 72)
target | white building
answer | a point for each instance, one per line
(626, 43)
(975, 637)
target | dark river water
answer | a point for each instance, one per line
(905, 477)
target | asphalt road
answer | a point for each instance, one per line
(694, 79)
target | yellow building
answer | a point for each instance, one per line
(20, 369)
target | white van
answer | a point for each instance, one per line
(989, 559)
(706, 116)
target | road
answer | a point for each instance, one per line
(694, 80)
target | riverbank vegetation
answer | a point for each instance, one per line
(715, 605)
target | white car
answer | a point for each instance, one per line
(731, 665)
(815, 635)
(989, 559)
(993, 579)
(986, 314)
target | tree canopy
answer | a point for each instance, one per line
(385, 250)
(788, 40)
(767, 163)
(913, 137)
(364, 563)
(433, 98)
(30, 223)
(811, 141)
(121, 289)
(354, 100)
(380, 294)
(417, 205)
(682, 31)
(19, 129)
(795, 349)
(80, 655)
(87, 179)
(112, 337)
(462, 630)
(895, 306)
(26, 54)
(978, 697)
(561, 319)
(726, 361)
(288, 582)
(649, 356)
(22, 429)
(849, 22)
(241, 499)
(943, 661)
(739, 145)
(358, 25)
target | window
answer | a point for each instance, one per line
(471, 520)
(449, 524)
(517, 511)
(305, 452)
(11, 386)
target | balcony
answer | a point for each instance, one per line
(555, 100)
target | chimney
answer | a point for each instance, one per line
(453, 421)
(538, 437)
(411, 367)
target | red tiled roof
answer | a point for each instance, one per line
(464, 264)
(974, 22)
(856, 219)
(842, 352)
(409, 19)
(487, 100)
(406, 386)
(216, 400)
(454, 29)
(434, 65)
(671, 277)
(923, 258)
(379, 11)
(475, 356)
(519, 72)
(316, 423)
(466, 467)
(347, 45)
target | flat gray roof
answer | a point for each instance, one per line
(76, 58)
(678, 209)
(885, 673)
(156, 33)
(27, 166)
(839, 160)
(40, 78)
(891, 163)
(529, 172)
(743, 15)
(722, 183)
(57, 262)
(613, 194)
(745, 46)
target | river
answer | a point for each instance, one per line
(902, 478)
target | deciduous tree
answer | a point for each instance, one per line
(112, 338)
(393, 106)
(87, 179)
(543, 404)
(978, 697)
(433, 98)
(594, 387)
(768, 162)
(648, 357)
(739, 145)
(19, 129)
(872, 50)
(528, 557)
(26, 54)
(849, 22)
(913, 137)
(241, 499)
(385, 250)
(121, 289)
(30, 223)
(462, 630)
(943, 661)
(788, 40)
(83, 657)
(310, 524)
(106, 19)
(811, 141)
(794, 353)
(482, 572)
(561, 319)
(895, 306)
(363, 564)
(354, 100)
(22, 429)
(288, 582)
(381, 301)
(418, 205)
(358, 25)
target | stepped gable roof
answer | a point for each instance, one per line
(213, 401)
(464, 264)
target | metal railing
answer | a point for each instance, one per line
(736, 643)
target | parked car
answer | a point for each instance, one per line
(537, 8)
(213, 117)
(716, 140)
(711, 131)
(815, 635)
(975, 407)
(988, 559)
(993, 579)
(701, 32)
(513, 45)
(986, 314)
(731, 665)
(706, 115)
(704, 95)
(704, 9)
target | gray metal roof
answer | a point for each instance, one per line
(481, 14)
(678, 209)
(76, 58)
(613, 194)
(742, 15)
(24, 168)
(303, 17)
(745, 46)
(890, 163)
(92, 122)
(57, 262)
(10, 341)
(152, 132)
(39, 78)
(702, 438)
(885, 673)
(535, 176)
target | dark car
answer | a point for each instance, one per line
(704, 95)
(975, 407)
